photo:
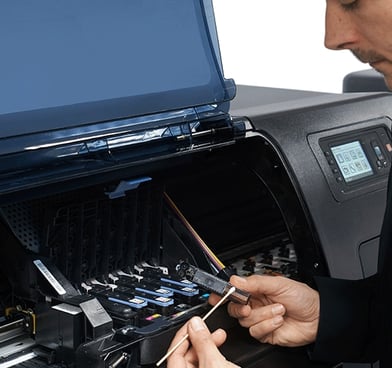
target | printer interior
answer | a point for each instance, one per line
(64, 249)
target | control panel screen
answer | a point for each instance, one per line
(352, 161)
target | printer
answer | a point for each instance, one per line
(125, 153)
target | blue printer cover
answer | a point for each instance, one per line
(83, 76)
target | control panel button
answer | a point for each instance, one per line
(377, 151)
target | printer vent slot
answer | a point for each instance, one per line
(98, 236)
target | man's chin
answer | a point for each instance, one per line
(388, 81)
(378, 67)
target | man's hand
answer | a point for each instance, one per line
(281, 311)
(201, 349)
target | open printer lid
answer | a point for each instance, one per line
(79, 77)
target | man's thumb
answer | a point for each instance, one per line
(201, 337)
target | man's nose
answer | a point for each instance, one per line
(340, 30)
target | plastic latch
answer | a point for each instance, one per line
(126, 185)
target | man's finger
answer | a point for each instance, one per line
(248, 317)
(258, 284)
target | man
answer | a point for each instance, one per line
(345, 320)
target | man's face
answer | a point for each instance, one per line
(365, 28)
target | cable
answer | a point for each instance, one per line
(213, 258)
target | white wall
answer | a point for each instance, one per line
(280, 44)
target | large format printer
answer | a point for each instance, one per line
(122, 157)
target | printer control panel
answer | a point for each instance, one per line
(358, 156)
(354, 161)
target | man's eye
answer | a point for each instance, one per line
(349, 4)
